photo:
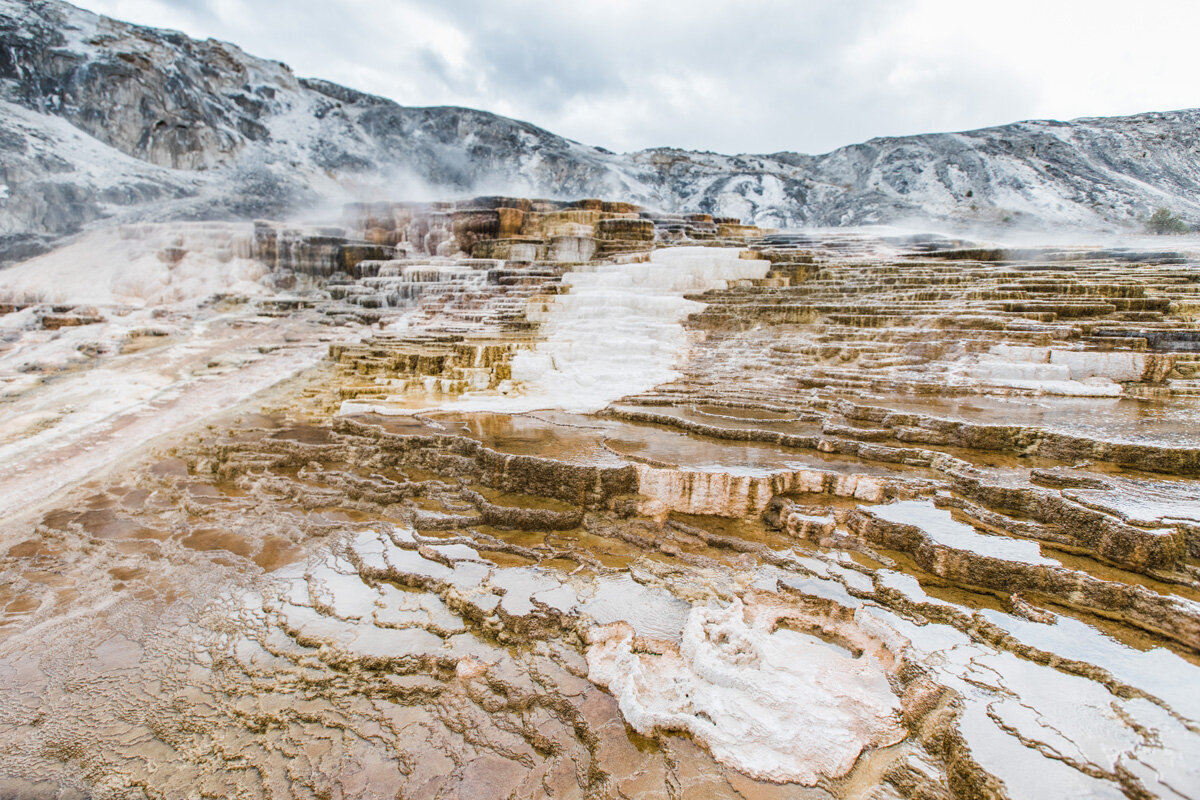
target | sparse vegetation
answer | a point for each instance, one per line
(1164, 221)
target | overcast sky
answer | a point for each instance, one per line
(747, 76)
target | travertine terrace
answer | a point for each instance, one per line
(574, 500)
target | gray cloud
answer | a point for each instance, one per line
(756, 76)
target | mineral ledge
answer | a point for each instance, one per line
(514, 498)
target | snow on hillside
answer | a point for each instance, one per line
(102, 121)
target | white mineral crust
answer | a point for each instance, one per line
(780, 706)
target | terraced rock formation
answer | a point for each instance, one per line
(815, 516)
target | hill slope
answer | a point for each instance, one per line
(103, 120)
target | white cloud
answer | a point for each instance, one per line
(756, 76)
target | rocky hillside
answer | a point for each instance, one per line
(103, 120)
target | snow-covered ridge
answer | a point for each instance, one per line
(104, 121)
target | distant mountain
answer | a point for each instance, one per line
(106, 121)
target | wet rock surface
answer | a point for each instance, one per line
(812, 554)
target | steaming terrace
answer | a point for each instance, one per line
(577, 500)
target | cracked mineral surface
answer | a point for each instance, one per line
(525, 499)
